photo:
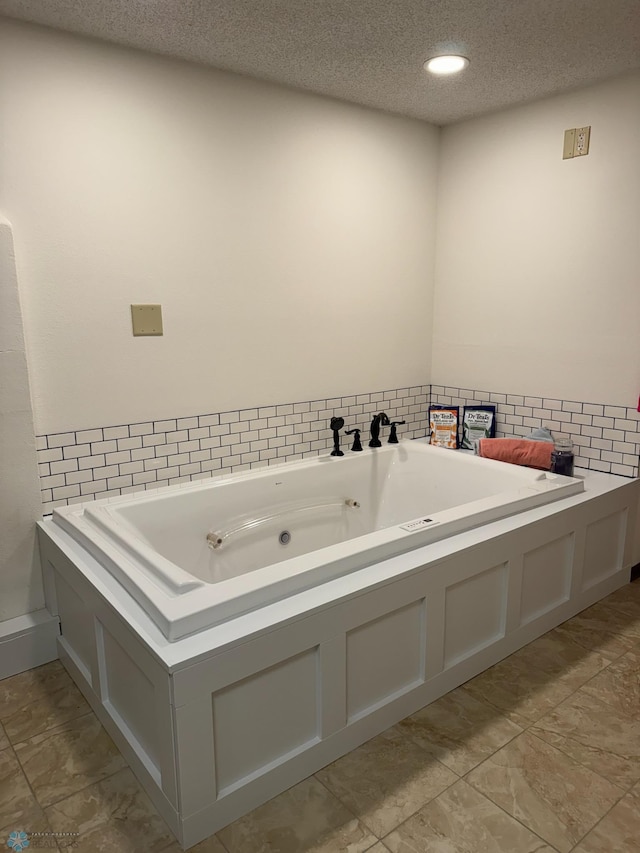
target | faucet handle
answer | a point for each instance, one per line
(393, 435)
(356, 441)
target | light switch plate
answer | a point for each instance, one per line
(146, 319)
(569, 142)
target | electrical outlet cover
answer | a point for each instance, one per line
(146, 319)
(581, 143)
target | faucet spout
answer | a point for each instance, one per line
(381, 419)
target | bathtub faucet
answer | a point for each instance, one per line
(379, 420)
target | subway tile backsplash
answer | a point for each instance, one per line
(117, 459)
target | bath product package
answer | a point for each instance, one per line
(477, 422)
(443, 426)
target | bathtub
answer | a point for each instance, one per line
(195, 555)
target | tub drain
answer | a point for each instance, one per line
(284, 538)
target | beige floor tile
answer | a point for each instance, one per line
(603, 629)
(596, 735)
(19, 810)
(209, 845)
(460, 730)
(557, 654)
(386, 780)
(524, 690)
(557, 798)
(619, 684)
(305, 819)
(63, 760)
(618, 831)
(461, 820)
(4, 740)
(37, 700)
(111, 816)
(630, 593)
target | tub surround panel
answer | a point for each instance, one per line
(340, 663)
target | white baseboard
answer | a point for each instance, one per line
(27, 641)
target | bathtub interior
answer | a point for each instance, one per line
(283, 513)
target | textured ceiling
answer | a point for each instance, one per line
(371, 51)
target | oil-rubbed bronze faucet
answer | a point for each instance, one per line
(379, 420)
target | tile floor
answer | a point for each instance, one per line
(539, 753)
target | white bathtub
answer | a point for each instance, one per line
(193, 556)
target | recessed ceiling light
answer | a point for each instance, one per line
(446, 64)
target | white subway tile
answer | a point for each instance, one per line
(199, 432)
(64, 466)
(223, 429)
(88, 435)
(130, 443)
(132, 467)
(120, 482)
(593, 409)
(177, 435)
(595, 432)
(140, 429)
(624, 470)
(118, 457)
(91, 461)
(76, 450)
(165, 426)
(104, 447)
(142, 453)
(116, 432)
(52, 455)
(144, 477)
(107, 471)
(62, 439)
(166, 450)
(155, 463)
(78, 477)
(93, 487)
(189, 423)
(208, 420)
(625, 424)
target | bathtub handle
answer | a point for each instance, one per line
(216, 539)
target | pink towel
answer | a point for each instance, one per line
(518, 451)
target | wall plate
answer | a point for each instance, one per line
(146, 319)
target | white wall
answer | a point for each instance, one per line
(538, 259)
(20, 580)
(288, 237)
